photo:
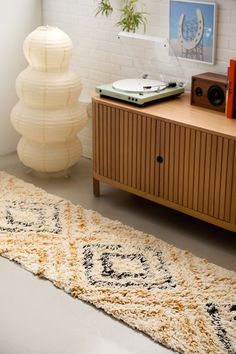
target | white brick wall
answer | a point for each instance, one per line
(100, 57)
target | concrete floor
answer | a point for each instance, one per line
(37, 318)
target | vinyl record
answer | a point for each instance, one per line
(138, 85)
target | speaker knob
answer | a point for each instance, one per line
(215, 95)
(198, 91)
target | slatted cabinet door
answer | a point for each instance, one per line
(124, 149)
(198, 171)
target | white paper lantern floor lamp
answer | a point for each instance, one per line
(48, 114)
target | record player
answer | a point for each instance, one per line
(140, 91)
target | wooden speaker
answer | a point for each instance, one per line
(209, 91)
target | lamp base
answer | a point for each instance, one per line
(60, 174)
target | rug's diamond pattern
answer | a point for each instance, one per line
(121, 268)
(18, 216)
(179, 300)
(220, 314)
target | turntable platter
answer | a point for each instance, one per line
(138, 85)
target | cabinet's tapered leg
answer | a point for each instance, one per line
(96, 187)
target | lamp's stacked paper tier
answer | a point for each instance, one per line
(48, 114)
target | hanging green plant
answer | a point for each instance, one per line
(131, 19)
(104, 8)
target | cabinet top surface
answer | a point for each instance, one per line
(179, 110)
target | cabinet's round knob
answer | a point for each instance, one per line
(160, 159)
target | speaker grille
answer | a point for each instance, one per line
(216, 95)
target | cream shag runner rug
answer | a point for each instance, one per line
(179, 300)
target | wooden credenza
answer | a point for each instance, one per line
(172, 153)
